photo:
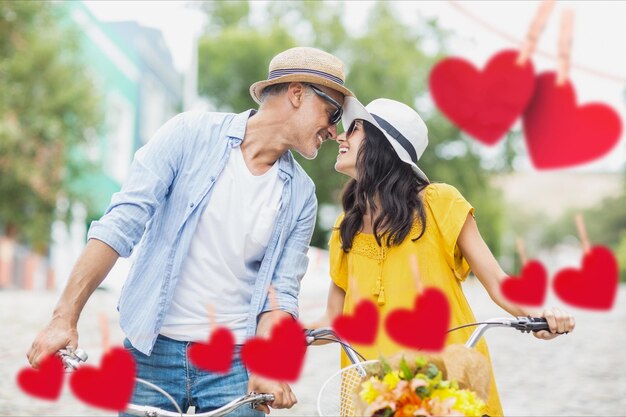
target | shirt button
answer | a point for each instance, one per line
(190, 204)
(212, 179)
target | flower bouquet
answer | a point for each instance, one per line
(453, 383)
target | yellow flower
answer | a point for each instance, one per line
(392, 379)
(465, 401)
(369, 393)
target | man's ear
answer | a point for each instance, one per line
(295, 93)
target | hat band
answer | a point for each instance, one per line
(280, 72)
(394, 133)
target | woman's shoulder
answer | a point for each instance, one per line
(441, 190)
(339, 219)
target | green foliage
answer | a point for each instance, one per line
(384, 365)
(47, 104)
(605, 225)
(231, 62)
(233, 55)
(405, 371)
(386, 60)
(226, 13)
(621, 257)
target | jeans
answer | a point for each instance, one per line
(169, 367)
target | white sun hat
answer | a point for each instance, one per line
(402, 126)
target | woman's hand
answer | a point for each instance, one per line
(334, 308)
(560, 322)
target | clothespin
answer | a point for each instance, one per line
(416, 276)
(211, 313)
(522, 251)
(536, 27)
(104, 329)
(565, 46)
(582, 233)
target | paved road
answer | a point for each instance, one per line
(579, 374)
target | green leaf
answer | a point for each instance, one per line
(385, 412)
(385, 367)
(432, 371)
(420, 361)
(405, 371)
(422, 391)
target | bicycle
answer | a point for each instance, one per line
(334, 398)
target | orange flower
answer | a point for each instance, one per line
(408, 397)
(410, 410)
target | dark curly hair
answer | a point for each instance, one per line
(385, 180)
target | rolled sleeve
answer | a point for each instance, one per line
(293, 262)
(450, 210)
(152, 172)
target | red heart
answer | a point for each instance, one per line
(530, 288)
(217, 355)
(483, 104)
(281, 356)
(109, 387)
(595, 286)
(425, 327)
(360, 327)
(45, 382)
(560, 134)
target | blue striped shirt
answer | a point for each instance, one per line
(159, 206)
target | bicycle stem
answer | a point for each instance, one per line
(347, 348)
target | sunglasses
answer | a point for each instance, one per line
(352, 128)
(336, 116)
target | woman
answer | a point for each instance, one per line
(392, 212)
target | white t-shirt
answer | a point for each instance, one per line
(225, 253)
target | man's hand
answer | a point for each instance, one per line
(283, 396)
(58, 334)
(560, 322)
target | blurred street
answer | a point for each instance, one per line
(579, 374)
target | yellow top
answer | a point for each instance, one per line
(384, 274)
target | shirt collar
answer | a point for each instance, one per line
(237, 127)
(237, 130)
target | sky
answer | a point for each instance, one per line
(596, 42)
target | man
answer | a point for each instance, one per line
(222, 211)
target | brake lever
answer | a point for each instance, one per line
(531, 324)
(72, 358)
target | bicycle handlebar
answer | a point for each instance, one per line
(72, 358)
(253, 399)
(523, 324)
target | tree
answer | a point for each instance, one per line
(233, 55)
(386, 61)
(47, 104)
(621, 257)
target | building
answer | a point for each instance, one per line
(141, 89)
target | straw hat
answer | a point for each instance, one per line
(402, 126)
(303, 64)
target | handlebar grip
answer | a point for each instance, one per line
(531, 324)
(537, 324)
(72, 358)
